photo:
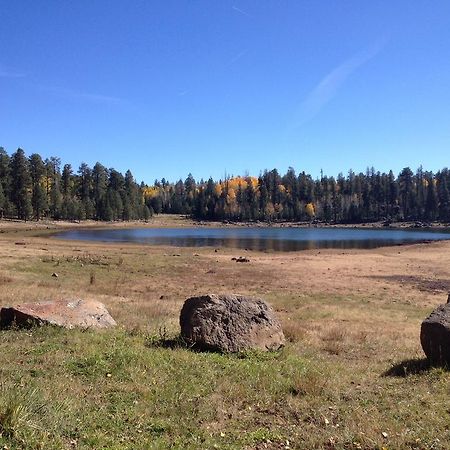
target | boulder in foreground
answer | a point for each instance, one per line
(435, 335)
(230, 323)
(63, 313)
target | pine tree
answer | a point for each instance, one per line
(405, 183)
(67, 181)
(53, 186)
(38, 196)
(20, 184)
(115, 193)
(431, 204)
(87, 210)
(443, 179)
(5, 180)
(133, 198)
(99, 187)
(146, 213)
(2, 202)
(56, 200)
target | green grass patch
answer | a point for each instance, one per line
(117, 392)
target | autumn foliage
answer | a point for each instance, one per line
(368, 196)
(33, 188)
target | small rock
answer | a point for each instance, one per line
(55, 275)
(63, 313)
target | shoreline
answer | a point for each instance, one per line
(49, 230)
(56, 236)
(182, 221)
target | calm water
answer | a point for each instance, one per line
(270, 239)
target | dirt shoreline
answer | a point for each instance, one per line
(181, 221)
(50, 228)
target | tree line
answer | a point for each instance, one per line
(355, 198)
(33, 188)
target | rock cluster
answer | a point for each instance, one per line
(225, 323)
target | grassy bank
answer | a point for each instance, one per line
(351, 376)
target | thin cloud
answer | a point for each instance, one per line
(328, 87)
(240, 11)
(237, 57)
(82, 96)
(6, 72)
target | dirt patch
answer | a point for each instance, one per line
(418, 282)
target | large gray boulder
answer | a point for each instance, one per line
(435, 335)
(230, 323)
(63, 313)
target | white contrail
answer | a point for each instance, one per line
(327, 88)
(237, 57)
(77, 95)
(241, 11)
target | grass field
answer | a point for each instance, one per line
(352, 375)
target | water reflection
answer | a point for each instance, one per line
(263, 239)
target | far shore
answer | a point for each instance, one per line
(181, 221)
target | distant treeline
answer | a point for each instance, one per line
(31, 188)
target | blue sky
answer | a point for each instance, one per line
(212, 87)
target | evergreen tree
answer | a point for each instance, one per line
(20, 185)
(2, 202)
(67, 181)
(38, 195)
(53, 186)
(5, 180)
(405, 183)
(99, 188)
(443, 180)
(86, 210)
(132, 198)
(431, 206)
(56, 200)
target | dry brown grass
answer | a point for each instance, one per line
(294, 331)
(334, 340)
(352, 316)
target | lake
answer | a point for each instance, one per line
(263, 239)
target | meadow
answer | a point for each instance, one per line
(352, 375)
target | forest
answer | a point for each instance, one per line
(32, 188)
